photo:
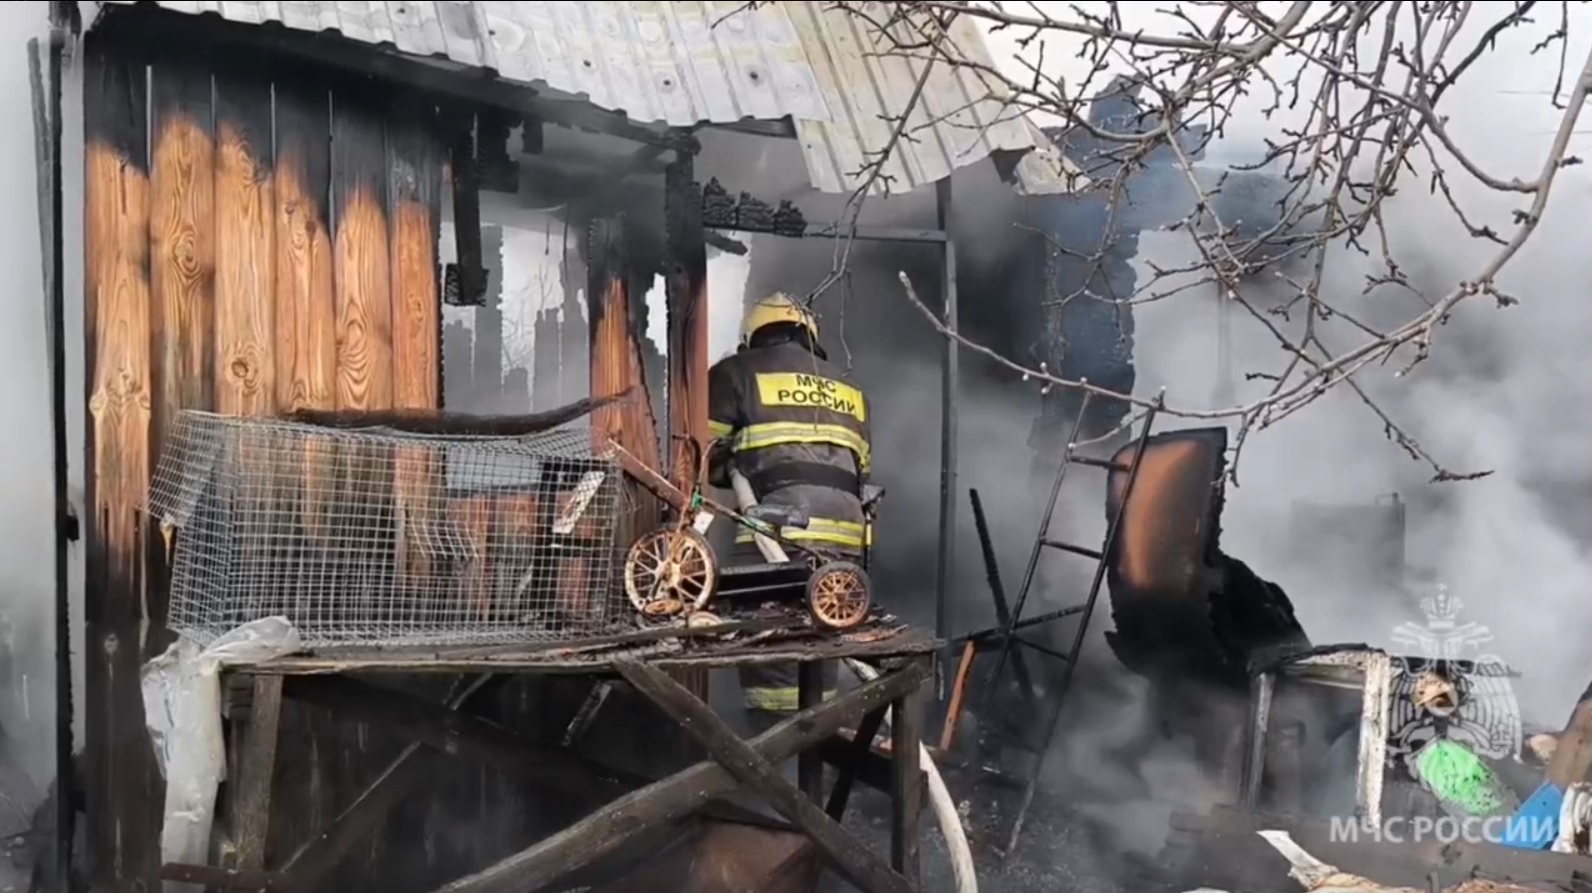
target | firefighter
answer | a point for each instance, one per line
(783, 416)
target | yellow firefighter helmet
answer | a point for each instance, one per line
(774, 309)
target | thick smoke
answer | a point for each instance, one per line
(1500, 393)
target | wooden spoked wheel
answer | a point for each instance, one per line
(839, 595)
(669, 571)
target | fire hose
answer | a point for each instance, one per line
(945, 813)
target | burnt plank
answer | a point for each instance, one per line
(852, 761)
(846, 853)
(361, 253)
(123, 787)
(610, 828)
(306, 312)
(245, 204)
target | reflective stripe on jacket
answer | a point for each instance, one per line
(847, 535)
(800, 434)
(776, 698)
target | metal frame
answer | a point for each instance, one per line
(1011, 621)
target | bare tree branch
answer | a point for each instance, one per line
(1357, 95)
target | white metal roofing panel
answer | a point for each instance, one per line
(684, 63)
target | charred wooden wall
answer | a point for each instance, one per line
(257, 239)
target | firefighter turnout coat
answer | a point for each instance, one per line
(799, 433)
(787, 420)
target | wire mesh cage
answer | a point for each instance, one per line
(367, 536)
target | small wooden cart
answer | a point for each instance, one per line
(674, 570)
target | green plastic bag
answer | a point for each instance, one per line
(1462, 781)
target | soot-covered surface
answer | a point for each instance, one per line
(1061, 849)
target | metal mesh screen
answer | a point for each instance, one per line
(376, 536)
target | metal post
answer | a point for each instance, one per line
(65, 777)
(950, 379)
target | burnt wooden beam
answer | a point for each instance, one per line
(466, 211)
(686, 792)
(851, 759)
(847, 854)
(251, 815)
(810, 764)
(439, 727)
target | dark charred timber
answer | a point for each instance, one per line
(851, 757)
(810, 765)
(487, 349)
(847, 855)
(682, 794)
(468, 288)
(498, 169)
(425, 421)
(749, 214)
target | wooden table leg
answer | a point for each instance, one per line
(810, 764)
(251, 803)
(906, 794)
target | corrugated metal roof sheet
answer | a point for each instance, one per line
(683, 63)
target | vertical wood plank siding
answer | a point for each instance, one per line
(121, 796)
(252, 245)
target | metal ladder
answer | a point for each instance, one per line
(1011, 622)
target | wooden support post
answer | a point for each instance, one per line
(685, 271)
(251, 810)
(906, 795)
(606, 830)
(810, 764)
(847, 854)
(686, 285)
